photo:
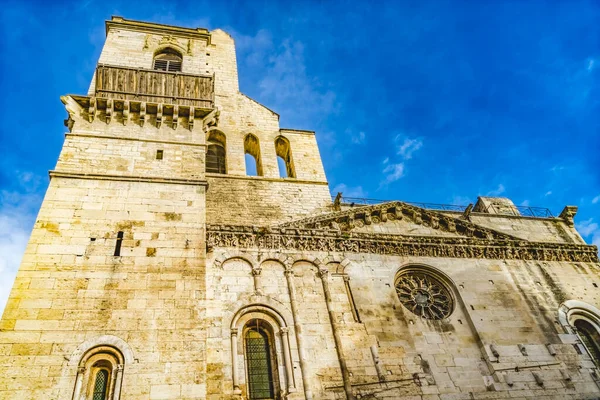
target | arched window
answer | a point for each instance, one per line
(260, 341)
(583, 319)
(216, 153)
(100, 374)
(252, 153)
(260, 360)
(589, 337)
(168, 60)
(100, 385)
(284, 155)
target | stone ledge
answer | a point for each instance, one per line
(128, 178)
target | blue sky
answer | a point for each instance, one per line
(437, 102)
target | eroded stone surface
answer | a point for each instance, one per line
(204, 257)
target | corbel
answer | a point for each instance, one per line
(142, 113)
(191, 118)
(175, 116)
(92, 110)
(125, 112)
(109, 110)
(159, 114)
(567, 214)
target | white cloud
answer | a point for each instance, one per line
(408, 147)
(525, 203)
(496, 192)
(596, 199)
(358, 138)
(17, 215)
(590, 65)
(590, 231)
(393, 172)
(460, 200)
(548, 193)
(289, 88)
(352, 191)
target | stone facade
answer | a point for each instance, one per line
(147, 276)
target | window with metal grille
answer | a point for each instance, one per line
(100, 385)
(258, 356)
(168, 60)
(215, 158)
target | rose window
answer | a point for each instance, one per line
(424, 295)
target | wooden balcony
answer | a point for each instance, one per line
(152, 86)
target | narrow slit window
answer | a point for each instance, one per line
(159, 154)
(118, 244)
(168, 60)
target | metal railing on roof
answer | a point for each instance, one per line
(521, 211)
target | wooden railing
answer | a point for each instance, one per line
(155, 86)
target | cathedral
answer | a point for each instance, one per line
(188, 247)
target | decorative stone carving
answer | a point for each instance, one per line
(396, 210)
(421, 246)
(424, 295)
(568, 213)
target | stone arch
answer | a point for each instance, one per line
(282, 259)
(167, 58)
(315, 261)
(104, 340)
(216, 151)
(583, 319)
(252, 148)
(278, 328)
(231, 255)
(284, 152)
(100, 366)
(342, 263)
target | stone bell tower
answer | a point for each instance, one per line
(114, 275)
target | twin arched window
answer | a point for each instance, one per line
(252, 155)
(168, 59)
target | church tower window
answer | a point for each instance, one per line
(168, 60)
(284, 158)
(424, 295)
(216, 154)
(252, 152)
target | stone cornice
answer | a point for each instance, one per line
(397, 210)
(131, 25)
(128, 178)
(321, 240)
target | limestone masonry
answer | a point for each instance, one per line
(158, 269)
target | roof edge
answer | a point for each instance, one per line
(151, 27)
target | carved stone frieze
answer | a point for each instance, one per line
(396, 210)
(298, 239)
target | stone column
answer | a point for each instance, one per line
(324, 274)
(234, 361)
(287, 359)
(255, 274)
(78, 383)
(118, 381)
(289, 275)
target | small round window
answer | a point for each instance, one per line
(424, 295)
